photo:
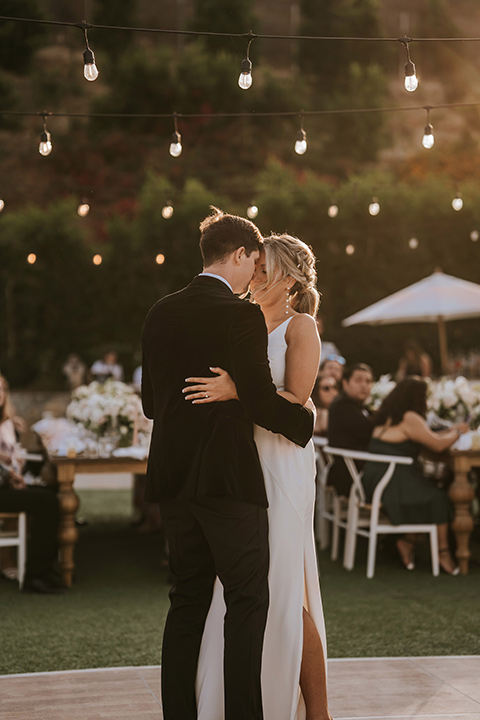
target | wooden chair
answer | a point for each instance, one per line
(16, 538)
(368, 520)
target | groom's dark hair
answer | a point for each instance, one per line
(222, 234)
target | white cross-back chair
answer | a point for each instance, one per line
(369, 520)
(16, 538)
(329, 507)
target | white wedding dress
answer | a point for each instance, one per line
(289, 473)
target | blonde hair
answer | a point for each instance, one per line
(292, 257)
(6, 408)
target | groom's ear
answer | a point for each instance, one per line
(238, 254)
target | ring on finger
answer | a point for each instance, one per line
(206, 395)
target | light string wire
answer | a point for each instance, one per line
(248, 35)
(253, 114)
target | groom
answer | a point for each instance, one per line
(204, 469)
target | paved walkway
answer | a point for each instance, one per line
(429, 688)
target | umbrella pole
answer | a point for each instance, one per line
(442, 338)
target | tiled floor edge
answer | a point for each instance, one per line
(157, 667)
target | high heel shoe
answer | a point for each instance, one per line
(455, 571)
(408, 561)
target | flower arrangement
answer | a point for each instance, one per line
(453, 401)
(109, 407)
(379, 392)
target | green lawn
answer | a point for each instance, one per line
(115, 613)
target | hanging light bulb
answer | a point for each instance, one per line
(2, 205)
(83, 209)
(474, 235)
(175, 149)
(176, 145)
(413, 243)
(31, 258)
(411, 80)
(45, 147)
(350, 249)
(160, 259)
(428, 140)
(167, 211)
(301, 143)
(90, 70)
(374, 207)
(245, 78)
(457, 202)
(97, 259)
(252, 211)
(332, 211)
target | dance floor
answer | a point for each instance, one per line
(431, 688)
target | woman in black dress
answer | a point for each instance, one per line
(400, 429)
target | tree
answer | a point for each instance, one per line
(328, 62)
(19, 41)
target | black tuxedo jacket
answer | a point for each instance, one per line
(209, 449)
(350, 428)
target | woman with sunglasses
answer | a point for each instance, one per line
(325, 390)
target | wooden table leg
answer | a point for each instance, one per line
(68, 532)
(461, 493)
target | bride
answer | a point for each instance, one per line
(294, 654)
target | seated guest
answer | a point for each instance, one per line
(410, 497)
(414, 361)
(349, 424)
(333, 365)
(40, 504)
(324, 392)
(107, 368)
(74, 369)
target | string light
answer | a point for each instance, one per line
(428, 139)
(175, 149)
(160, 259)
(411, 80)
(332, 210)
(90, 70)
(413, 243)
(83, 209)
(167, 211)
(457, 202)
(301, 142)
(2, 205)
(350, 249)
(31, 258)
(252, 211)
(245, 78)
(474, 235)
(97, 259)
(374, 207)
(45, 147)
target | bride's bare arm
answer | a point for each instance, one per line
(302, 358)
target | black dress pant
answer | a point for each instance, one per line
(207, 537)
(41, 506)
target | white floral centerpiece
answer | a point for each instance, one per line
(107, 407)
(453, 401)
(379, 392)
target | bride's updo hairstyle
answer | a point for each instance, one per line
(289, 256)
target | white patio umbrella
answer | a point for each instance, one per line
(437, 298)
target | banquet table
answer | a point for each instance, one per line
(461, 493)
(67, 468)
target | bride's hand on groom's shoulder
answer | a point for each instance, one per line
(210, 389)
